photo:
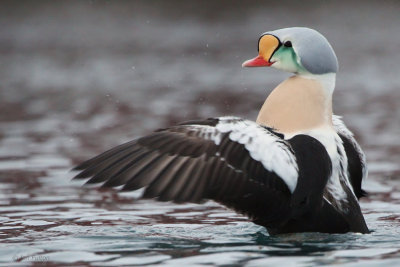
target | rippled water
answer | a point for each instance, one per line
(78, 78)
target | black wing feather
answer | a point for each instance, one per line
(184, 163)
(355, 166)
(149, 174)
(104, 155)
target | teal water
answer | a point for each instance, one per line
(55, 221)
(77, 78)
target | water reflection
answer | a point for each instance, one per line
(69, 90)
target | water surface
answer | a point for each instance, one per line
(79, 78)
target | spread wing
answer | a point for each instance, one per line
(236, 162)
(357, 168)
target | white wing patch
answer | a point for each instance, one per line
(273, 152)
(206, 132)
(341, 128)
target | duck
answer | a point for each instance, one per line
(296, 169)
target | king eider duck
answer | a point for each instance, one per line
(296, 169)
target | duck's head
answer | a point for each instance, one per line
(298, 50)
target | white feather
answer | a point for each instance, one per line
(273, 152)
(263, 146)
(341, 128)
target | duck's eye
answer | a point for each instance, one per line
(287, 44)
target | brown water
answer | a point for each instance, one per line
(77, 78)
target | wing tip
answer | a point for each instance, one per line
(81, 175)
(79, 167)
(209, 122)
(363, 193)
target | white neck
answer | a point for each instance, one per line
(300, 103)
(327, 81)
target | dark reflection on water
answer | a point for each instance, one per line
(77, 78)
